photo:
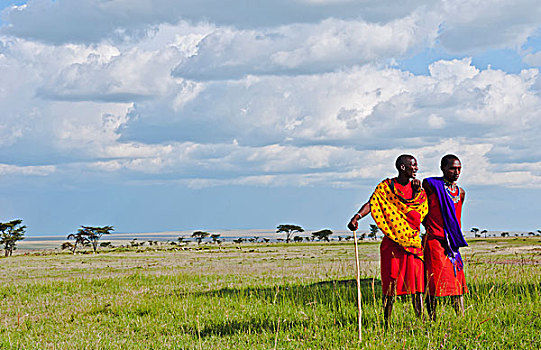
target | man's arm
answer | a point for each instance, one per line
(462, 195)
(353, 224)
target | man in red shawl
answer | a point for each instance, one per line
(444, 271)
(398, 206)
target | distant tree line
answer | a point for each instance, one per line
(478, 233)
(89, 236)
(322, 235)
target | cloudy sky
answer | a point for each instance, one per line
(203, 114)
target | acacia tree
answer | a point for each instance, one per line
(11, 232)
(373, 231)
(80, 239)
(182, 240)
(93, 234)
(288, 230)
(297, 239)
(68, 245)
(485, 232)
(322, 235)
(215, 238)
(475, 231)
(199, 236)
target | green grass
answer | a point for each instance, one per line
(258, 297)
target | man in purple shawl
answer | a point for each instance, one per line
(444, 269)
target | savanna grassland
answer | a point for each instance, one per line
(258, 296)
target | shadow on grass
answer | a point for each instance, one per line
(322, 292)
(331, 295)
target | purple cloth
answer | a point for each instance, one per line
(451, 226)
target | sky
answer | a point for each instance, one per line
(201, 114)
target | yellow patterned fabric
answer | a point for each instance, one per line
(398, 218)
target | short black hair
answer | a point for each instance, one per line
(402, 159)
(448, 158)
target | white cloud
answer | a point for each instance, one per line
(92, 21)
(435, 122)
(132, 73)
(278, 122)
(473, 26)
(275, 165)
(130, 107)
(533, 59)
(452, 72)
(366, 103)
(32, 125)
(228, 53)
(465, 26)
(9, 169)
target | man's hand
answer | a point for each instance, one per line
(415, 185)
(353, 223)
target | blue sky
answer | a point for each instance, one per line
(166, 115)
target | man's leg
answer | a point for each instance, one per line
(431, 303)
(388, 301)
(417, 301)
(458, 303)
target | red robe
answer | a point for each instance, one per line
(439, 270)
(401, 272)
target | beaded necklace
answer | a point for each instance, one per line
(453, 191)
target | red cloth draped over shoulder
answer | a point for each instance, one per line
(401, 271)
(439, 270)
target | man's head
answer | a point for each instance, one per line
(451, 167)
(407, 164)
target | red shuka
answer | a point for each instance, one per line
(401, 272)
(439, 270)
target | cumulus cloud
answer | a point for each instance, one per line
(33, 128)
(111, 74)
(275, 165)
(369, 108)
(366, 102)
(88, 21)
(228, 53)
(465, 26)
(473, 26)
(297, 103)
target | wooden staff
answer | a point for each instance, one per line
(358, 278)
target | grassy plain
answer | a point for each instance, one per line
(258, 296)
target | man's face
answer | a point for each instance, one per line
(410, 168)
(451, 171)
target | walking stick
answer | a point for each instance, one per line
(358, 278)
